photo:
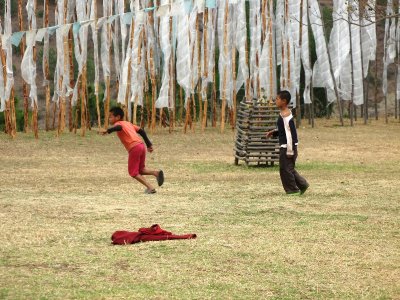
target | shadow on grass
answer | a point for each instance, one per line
(217, 167)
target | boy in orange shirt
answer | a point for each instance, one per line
(129, 136)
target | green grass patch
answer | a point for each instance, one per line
(62, 198)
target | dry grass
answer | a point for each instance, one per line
(61, 199)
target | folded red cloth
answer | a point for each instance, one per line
(154, 233)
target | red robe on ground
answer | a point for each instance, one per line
(154, 233)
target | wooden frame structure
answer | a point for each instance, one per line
(254, 119)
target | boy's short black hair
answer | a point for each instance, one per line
(285, 95)
(117, 111)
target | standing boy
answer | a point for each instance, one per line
(292, 182)
(129, 136)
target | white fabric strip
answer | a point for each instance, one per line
(240, 41)
(165, 42)
(358, 80)
(80, 42)
(183, 63)
(28, 66)
(322, 66)
(305, 54)
(2, 87)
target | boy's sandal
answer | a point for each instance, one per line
(160, 178)
(148, 191)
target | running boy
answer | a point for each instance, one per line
(292, 182)
(128, 134)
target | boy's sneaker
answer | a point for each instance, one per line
(294, 193)
(160, 178)
(148, 191)
(304, 190)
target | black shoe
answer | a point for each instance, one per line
(302, 191)
(160, 178)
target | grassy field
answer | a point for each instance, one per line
(62, 198)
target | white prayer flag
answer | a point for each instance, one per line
(40, 34)
(322, 76)
(28, 66)
(165, 42)
(162, 11)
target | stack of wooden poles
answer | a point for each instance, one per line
(254, 119)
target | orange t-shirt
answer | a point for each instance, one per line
(128, 135)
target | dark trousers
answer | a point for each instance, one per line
(291, 180)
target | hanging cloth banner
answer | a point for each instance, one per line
(28, 66)
(148, 9)
(124, 31)
(51, 30)
(322, 65)
(294, 23)
(116, 40)
(225, 55)
(305, 55)
(94, 27)
(187, 6)
(123, 84)
(358, 80)
(176, 9)
(9, 65)
(339, 42)
(398, 53)
(4, 41)
(40, 34)
(101, 21)
(240, 41)
(255, 45)
(279, 27)
(45, 59)
(2, 87)
(194, 46)
(127, 18)
(138, 72)
(75, 27)
(389, 44)
(183, 65)
(112, 19)
(80, 34)
(105, 42)
(368, 35)
(200, 5)
(16, 38)
(208, 61)
(140, 18)
(162, 11)
(211, 4)
(267, 59)
(165, 42)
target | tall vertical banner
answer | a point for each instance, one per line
(166, 48)
(255, 46)
(267, 59)
(321, 72)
